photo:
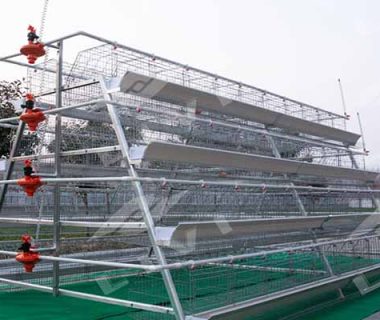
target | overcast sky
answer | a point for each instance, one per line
(297, 48)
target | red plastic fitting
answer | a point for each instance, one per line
(29, 183)
(34, 49)
(28, 258)
(32, 116)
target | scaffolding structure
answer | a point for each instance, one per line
(198, 196)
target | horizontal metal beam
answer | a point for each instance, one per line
(68, 153)
(194, 182)
(270, 269)
(118, 302)
(92, 297)
(27, 285)
(8, 126)
(58, 110)
(195, 263)
(69, 87)
(91, 262)
(84, 224)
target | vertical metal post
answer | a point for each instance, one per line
(277, 154)
(356, 166)
(57, 189)
(143, 204)
(353, 160)
(11, 163)
(363, 140)
(375, 201)
(326, 263)
(343, 104)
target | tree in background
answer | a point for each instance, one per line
(9, 91)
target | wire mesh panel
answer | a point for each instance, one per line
(103, 206)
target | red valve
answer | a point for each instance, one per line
(33, 49)
(28, 258)
(29, 183)
(32, 116)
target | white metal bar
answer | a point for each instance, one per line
(119, 302)
(8, 126)
(69, 153)
(58, 110)
(343, 103)
(92, 297)
(194, 263)
(27, 285)
(270, 269)
(68, 223)
(231, 183)
(90, 262)
(10, 164)
(57, 164)
(26, 221)
(144, 207)
(105, 225)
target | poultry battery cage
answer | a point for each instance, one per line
(168, 192)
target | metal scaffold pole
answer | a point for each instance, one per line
(57, 191)
(11, 163)
(277, 154)
(147, 217)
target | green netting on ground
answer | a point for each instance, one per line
(33, 305)
(208, 287)
(199, 289)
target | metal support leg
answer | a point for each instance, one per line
(10, 166)
(277, 154)
(326, 263)
(143, 204)
(375, 201)
(353, 161)
(57, 191)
